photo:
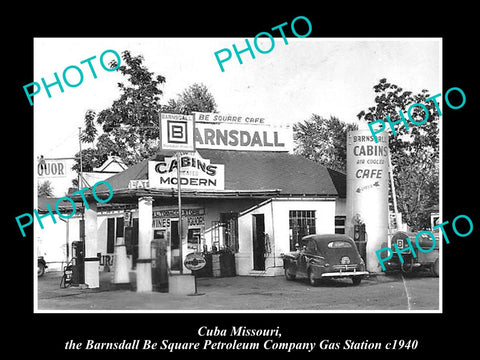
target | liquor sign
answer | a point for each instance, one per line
(243, 133)
(176, 132)
(196, 173)
(52, 169)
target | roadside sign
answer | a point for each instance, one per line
(177, 132)
(194, 261)
(51, 168)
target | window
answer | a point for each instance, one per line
(311, 247)
(339, 245)
(230, 221)
(340, 224)
(302, 223)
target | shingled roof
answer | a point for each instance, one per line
(340, 181)
(252, 170)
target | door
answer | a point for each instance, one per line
(159, 261)
(131, 242)
(259, 242)
(174, 246)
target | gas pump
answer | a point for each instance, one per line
(78, 263)
(158, 250)
(359, 236)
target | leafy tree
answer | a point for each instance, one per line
(45, 189)
(195, 98)
(414, 152)
(323, 140)
(130, 126)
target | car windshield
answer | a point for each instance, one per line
(339, 244)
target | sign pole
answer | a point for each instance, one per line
(180, 227)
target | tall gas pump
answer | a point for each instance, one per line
(78, 263)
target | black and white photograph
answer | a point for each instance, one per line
(225, 186)
(238, 184)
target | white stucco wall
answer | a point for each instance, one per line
(276, 214)
(51, 241)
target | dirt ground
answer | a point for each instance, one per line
(393, 292)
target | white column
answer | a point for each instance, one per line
(145, 236)
(120, 265)
(91, 239)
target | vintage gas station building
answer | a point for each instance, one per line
(239, 195)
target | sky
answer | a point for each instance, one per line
(324, 76)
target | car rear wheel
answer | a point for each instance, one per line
(356, 280)
(311, 278)
(40, 269)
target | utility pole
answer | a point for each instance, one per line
(80, 176)
(394, 195)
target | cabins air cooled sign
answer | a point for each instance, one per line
(196, 173)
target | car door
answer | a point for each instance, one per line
(309, 250)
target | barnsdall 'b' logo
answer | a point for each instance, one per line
(177, 131)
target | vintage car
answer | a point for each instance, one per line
(425, 259)
(325, 256)
(41, 266)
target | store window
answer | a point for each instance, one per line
(230, 221)
(340, 224)
(302, 223)
(225, 232)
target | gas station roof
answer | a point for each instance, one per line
(251, 171)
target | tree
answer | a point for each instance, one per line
(45, 189)
(414, 152)
(130, 124)
(323, 140)
(195, 98)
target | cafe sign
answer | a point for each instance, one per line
(196, 173)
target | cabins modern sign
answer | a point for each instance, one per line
(196, 173)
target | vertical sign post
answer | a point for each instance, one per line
(176, 133)
(180, 227)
